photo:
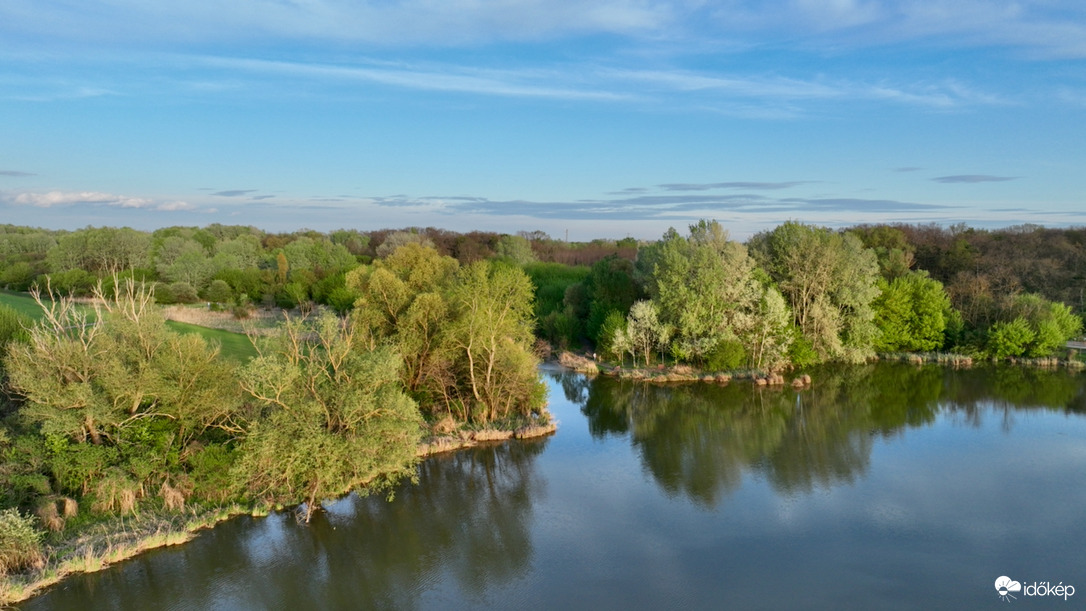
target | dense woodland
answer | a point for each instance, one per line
(108, 411)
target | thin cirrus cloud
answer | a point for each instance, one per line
(15, 173)
(57, 199)
(386, 22)
(653, 207)
(588, 82)
(234, 192)
(972, 178)
(732, 185)
(431, 77)
(1044, 28)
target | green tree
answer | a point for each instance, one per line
(704, 288)
(336, 415)
(609, 287)
(219, 292)
(1007, 339)
(768, 337)
(180, 259)
(490, 338)
(911, 313)
(403, 300)
(515, 249)
(119, 397)
(829, 280)
(645, 331)
(1052, 323)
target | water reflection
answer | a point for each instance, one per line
(466, 522)
(697, 440)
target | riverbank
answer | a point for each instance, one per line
(120, 538)
(663, 374)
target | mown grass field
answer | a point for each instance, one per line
(232, 345)
(22, 303)
(235, 346)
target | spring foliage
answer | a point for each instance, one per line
(335, 415)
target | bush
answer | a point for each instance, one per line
(13, 326)
(219, 292)
(1007, 339)
(182, 292)
(20, 542)
(726, 356)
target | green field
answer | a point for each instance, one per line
(235, 346)
(22, 303)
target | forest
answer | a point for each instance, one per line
(387, 336)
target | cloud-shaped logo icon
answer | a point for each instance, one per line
(1005, 585)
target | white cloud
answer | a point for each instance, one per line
(52, 199)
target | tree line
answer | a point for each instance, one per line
(800, 294)
(240, 266)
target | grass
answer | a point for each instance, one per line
(22, 303)
(109, 542)
(235, 346)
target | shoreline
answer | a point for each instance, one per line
(120, 538)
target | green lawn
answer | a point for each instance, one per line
(22, 303)
(235, 346)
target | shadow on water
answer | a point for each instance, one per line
(697, 440)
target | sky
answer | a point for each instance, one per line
(586, 119)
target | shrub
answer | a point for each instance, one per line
(13, 326)
(219, 292)
(726, 356)
(1009, 338)
(20, 542)
(182, 292)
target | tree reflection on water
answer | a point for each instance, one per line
(699, 439)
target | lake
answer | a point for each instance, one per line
(886, 486)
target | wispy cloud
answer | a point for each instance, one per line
(234, 192)
(387, 22)
(55, 199)
(732, 185)
(748, 95)
(649, 207)
(446, 78)
(1045, 28)
(15, 173)
(973, 178)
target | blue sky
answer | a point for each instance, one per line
(605, 118)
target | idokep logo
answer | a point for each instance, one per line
(1007, 587)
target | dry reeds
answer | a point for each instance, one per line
(579, 364)
(172, 498)
(116, 494)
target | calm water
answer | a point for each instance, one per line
(883, 486)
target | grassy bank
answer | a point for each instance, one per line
(98, 545)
